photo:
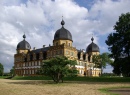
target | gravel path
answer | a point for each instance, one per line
(28, 87)
(121, 91)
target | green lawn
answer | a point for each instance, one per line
(85, 79)
(99, 79)
(112, 80)
(106, 90)
(31, 78)
(2, 77)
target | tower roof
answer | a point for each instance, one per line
(23, 45)
(92, 47)
(62, 33)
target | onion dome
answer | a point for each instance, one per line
(23, 45)
(92, 47)
(62, 33)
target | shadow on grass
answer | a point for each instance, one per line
(33, 82)
(45, 82)
(116, 90)
(39, 80)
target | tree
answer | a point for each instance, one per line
(12, 71)
(58, 67)
(119, 45)
(101, 61)
(1, 69)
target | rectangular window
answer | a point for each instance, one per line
(35, 64)
(60, 51)
(67, 52)
(29, 63)
(34, 56)
(17, 65)
(32, 71)
(68, 44)
(23, 64)
(39, 63)
(24, 72)
(28, 57)
(71, 53)
(79, 63)
(32, 63)
(41, 56)
(82, 64)
(35, 71)
(56, 52)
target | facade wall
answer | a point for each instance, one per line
(30, 67)
(60, 42)
(28, 62)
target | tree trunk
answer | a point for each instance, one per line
(57, 77)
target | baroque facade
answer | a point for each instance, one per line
(28, 61)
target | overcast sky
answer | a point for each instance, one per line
(39, 20)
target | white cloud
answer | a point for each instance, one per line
(106, 13)
(9, 34)
(39, 19)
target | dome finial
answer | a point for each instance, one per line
(92, 39)
(24, 36)
(62, 22)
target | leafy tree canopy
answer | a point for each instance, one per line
(12, 71)
(119, 45)
(101, 60)
(58, 67)
(1, 69)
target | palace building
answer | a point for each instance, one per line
(28, 61)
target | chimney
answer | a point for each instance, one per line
(44, 46)
(34, 48)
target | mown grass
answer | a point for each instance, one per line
(98, 79)
(3, 77)
(31, 78)
(84, 79)
(107, 90)
(111, 80)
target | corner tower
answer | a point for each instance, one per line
(92, 48)
(23, 46)
(62, 44)
(62, 36)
